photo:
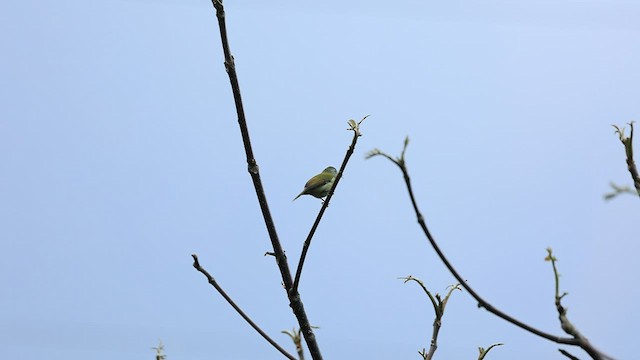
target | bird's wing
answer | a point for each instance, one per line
(316, 182)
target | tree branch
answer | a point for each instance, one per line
(567, 354)
(297, 341)
(281, 259)
(628, 149)
(212, 281)
(565, 324)
(438, 307)
(355, 127)
(400, 162)
(483, 352)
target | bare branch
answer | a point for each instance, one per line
(483, 352)
(628, 149)
(214, 283)
(434, 303)
(355, 127)
(297, 341)
(567, 354)
(281, 259)
(400, 162)
(438, 307)
(565, 324)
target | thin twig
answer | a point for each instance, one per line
(297, 341)
(281, 259)
(483, 352)
(212, 281)
(355, 127)
(439, 305)
(565, 324)
(400, 162)
(628, 149)
(617, 190)
(160, 351)
(567, 354)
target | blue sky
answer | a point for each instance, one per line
(121, 156)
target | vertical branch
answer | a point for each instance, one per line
(628, 149)
(438, 308)
(297, 341)
(160, 351)
(565, 324)
(281, 259)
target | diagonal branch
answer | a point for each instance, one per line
(355, 127)
(281, 259)
(400, 162)
(567, 354)
(212, 281)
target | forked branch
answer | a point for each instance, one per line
(439, 305)
(400, 162)
(281, 259)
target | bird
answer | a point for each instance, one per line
(319, 185)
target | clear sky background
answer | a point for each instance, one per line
(120, 156)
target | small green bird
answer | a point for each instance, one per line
(319, 185)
